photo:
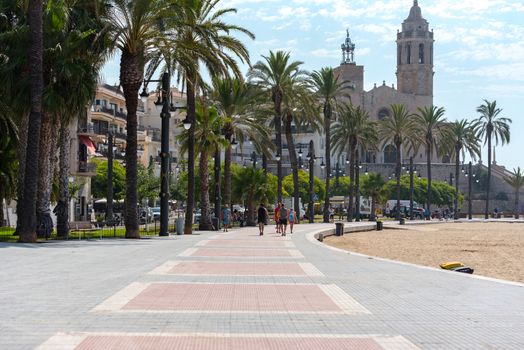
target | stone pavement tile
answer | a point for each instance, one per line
(231, 298)
(258, 243)
(285, 269)
(217, 341)
(242, 252)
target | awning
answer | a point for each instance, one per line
(91, 148)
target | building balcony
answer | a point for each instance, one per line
(110, 112)
(86, 169)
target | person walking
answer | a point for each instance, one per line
(277, 217)
(283, 219)
(291, 219)
(226, 217)
(262, 215)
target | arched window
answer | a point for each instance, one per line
(399, 55)
(421, 54)
(390, 154)
(409, 53)
(383, 113)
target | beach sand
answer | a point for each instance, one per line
(492, 249)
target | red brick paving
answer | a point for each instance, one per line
(242, 252)
(245, 243)
(237, 269)
(219, 343)
(233, 298)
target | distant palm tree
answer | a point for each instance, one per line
(490, 124)
(373, 186)
(327, 87)
(274, 75)
(353, 129)
(459, 139)
(399, 129)
(236, 102)
(252, 186)
(517, 182)
(431, 126)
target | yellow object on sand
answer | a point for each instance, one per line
(450, 265)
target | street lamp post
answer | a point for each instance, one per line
(254, 159)
(109, 197)
(357, 186)
(218, 195)
(411, 188)
(337, 174)
(470, 179)
(311, 159)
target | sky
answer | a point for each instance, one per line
(479, 48)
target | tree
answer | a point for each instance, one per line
(399, 129)
(27, 208)
(327, 87)
(373, 186)
(319, 188)
(236, 102)
(8, 171)
(353, 129)
(148, 183)
(459, 139)
(99, 181)
(490, 124)
(516, 181)
(205, 40)
(275, 75)
(342, 189)
(252, 186)
(431, 126)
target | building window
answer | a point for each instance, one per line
(421, 54)
(409, 54)
(390, 154)
(431, 54)
(383, 113)
(399, 55)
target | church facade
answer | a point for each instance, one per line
(414, 86)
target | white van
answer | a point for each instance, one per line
(390, 204)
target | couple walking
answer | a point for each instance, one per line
(282, 217)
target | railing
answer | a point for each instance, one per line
(85, 167)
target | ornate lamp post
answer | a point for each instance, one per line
(109, 197)
(358, 166)
(311, 159)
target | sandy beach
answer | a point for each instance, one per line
(492, 249)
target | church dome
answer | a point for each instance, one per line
(415, 13)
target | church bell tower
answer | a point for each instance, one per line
(415, 55)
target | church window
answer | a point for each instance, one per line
(383, 113)
(421, 54)
(390, 154)
(409, 54)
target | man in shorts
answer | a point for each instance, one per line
(261, 218)
(283, 219)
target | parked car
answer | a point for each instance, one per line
(156, 213)
(418, 212)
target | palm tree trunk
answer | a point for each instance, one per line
(2, 218)
(27, 229)
(227, 173)
(428, 164)
(294, 164)
(517, 213)
(21, 151)
(372, 216)
(351, 179)
(203, 172)
(191, 111)
(278, 131)
(327, 130)
(62, 210)
(457, 176)
(397, 175)
(43, 211)
(131, 75)
(488, 186)
(250, 219)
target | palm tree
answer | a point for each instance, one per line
(517, 182)
(237, 102)
(490, 124)
(205, 39)
(27, 228)
(399, 129)
(459, 139)
(274, 76)
(373, 186)
(327, 87)
(299, 107)
(431, 126)
(138, 30)
(353, 129)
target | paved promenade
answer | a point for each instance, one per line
(240, 291)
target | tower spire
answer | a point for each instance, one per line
(415, 2)
(348, 50)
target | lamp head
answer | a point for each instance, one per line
(187, 123)
(144, 95)
(234, 144)
(278, 158)
(159, 104)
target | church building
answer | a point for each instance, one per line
(414, 87)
